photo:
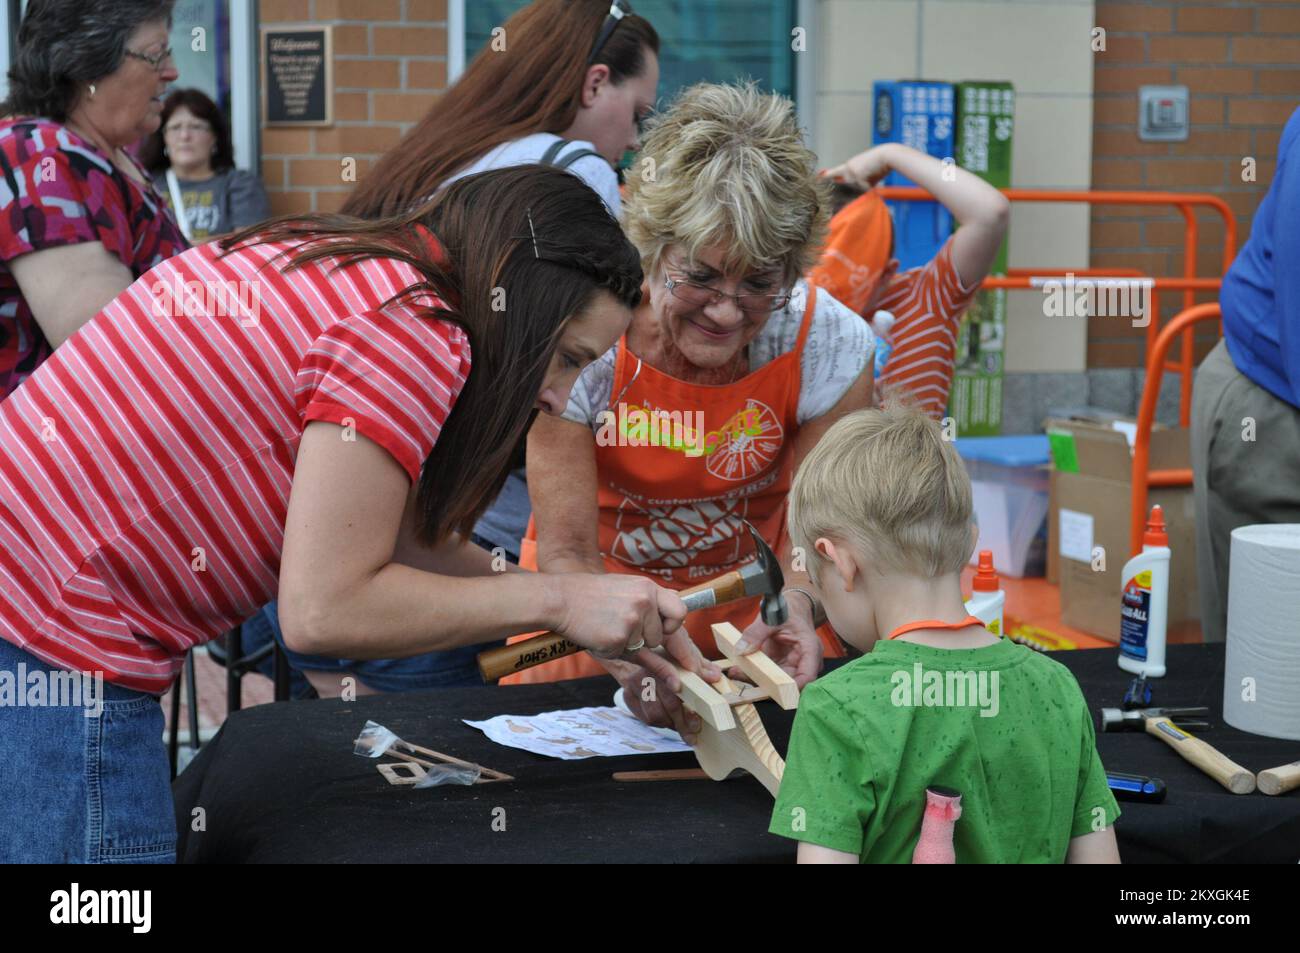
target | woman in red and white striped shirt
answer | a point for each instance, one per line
(291, 411)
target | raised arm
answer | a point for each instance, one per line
(982, 212)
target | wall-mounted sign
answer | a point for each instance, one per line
(297, 76)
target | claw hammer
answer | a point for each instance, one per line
(760, 577)
(1160, 722)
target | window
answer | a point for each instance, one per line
(201, 48)
(716, 41)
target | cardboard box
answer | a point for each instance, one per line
(1090, 503)
(919, 114)
(985, 130)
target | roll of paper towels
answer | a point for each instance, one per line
(1261, 684)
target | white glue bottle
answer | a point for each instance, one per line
(987, 600)
(1144, 602)
(882, 325)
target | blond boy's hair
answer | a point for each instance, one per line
(887, 482)
(727, 165)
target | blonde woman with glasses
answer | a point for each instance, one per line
(732, 369)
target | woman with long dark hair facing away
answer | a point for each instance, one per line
(319, 407)
(567, 83)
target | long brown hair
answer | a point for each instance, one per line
(533, 85)
(512, 295)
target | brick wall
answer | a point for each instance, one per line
(1240, 63)
(390, 63)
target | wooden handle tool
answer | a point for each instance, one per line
(761, 577)
(1205, 756)
(1281, 779)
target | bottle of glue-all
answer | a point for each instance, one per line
(986, 602)
(1144, 604)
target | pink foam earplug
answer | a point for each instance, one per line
(942, 808)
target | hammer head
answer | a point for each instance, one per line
(1116, 719)
(763, 577)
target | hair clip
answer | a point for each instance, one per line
(529, 213)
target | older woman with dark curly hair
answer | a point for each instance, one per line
(79, 220)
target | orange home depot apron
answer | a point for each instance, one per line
(671, 506)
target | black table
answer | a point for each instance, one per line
(279, 783)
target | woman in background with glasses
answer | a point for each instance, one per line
(78, 219)
(193, 167)
(745, 363)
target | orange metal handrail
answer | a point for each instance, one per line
(1143, 478)
(1189, 284)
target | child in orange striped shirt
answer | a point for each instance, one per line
(927, 302)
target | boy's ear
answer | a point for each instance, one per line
(841, 559)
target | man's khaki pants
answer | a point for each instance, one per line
(1246, 470)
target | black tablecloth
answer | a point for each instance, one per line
(279, 783)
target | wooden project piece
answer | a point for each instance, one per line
(743, 744)
(765, 673)
(700, 697)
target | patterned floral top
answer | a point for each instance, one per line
(57, 189)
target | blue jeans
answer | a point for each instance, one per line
(81, 782)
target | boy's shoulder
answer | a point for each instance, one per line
(872, 673)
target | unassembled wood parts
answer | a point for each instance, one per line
(732, 735)
(412, 769)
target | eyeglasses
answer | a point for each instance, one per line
(154, 61)
(698, 295)
(617, 11)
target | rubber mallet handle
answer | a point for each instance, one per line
(1206, 757)
(1281, 779)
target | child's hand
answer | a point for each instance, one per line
(865, 169)
(795, 646)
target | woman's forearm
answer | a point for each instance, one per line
(454, 557)
(402, 611)
(570, 559)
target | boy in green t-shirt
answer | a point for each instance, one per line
(882, 509)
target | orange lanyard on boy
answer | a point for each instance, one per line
(934, 624)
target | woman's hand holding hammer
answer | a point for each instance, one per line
(621, 616)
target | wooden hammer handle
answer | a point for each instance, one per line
(549, 646)
(1204, 756)
(1281, 779)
